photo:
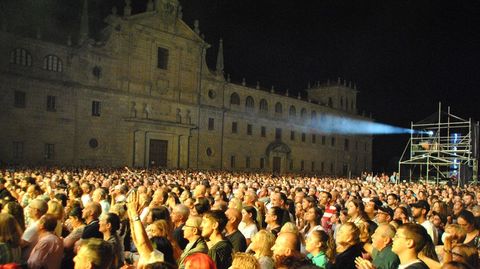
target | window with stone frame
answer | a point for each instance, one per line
(249, 104)
(162, 58)
(21, 56)
(234, 99)
(263, 106)
(52, 63)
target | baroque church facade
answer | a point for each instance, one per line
(144, 96)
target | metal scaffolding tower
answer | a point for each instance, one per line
(442, 146)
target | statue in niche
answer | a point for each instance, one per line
(146, 110)
(189, 117)
(133, 110)
(179, 116)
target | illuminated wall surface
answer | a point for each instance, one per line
(143, 95)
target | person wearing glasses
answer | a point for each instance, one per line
(408, 242)
(196, 243)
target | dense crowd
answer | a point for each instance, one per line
(132, 218)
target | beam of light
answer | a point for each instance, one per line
(332, 124)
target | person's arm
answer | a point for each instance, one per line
(431, 263)
(139, 235)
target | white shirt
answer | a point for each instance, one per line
(431, 230)
(247, 231)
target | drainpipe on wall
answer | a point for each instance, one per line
(199, 88)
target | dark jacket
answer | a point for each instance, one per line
(346, 259)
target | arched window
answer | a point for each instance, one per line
(234, 99)
(52, 63)
(303, 113)
(21, 56)
(263, 105)
(278, 108)
(249, 103)
(314, 115)
(292, 112)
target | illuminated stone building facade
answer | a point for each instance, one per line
(143, 95)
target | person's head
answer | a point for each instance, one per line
(109, 223)
(199, 191)
(420, 209)
(234, 217)
(289, 227)
(55, 208)
(286, 244)
(466, 254)
(202, 205)
(400, 213)
(244, 261)
(275, 216)
(10, 231)
(314, 215)
(191, 229)
(325, 198)
(392, 200)
(75, 215)
(180, 213)
(383, 236)
(456, 232)
(99, 195)
(250, 197)
(47, 223)
(91, 211)
(94, 253)
(278, 199)
(410, 238)
(384, 215)
(16, 210)
(466, 220)
(86, 189)
(320, 241)
(249, 214)
(157, 228)
(213, 222)
(468, 199)
(199, 261)
(356, 208)
(262, 243)
(158, 213)
(347, 235)
(37, 208)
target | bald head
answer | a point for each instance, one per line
(286, 244)
(234, 217)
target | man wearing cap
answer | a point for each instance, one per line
(384, 215)
(419, 213)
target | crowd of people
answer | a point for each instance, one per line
(132, 218)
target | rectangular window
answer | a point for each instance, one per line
(264, 131)
(292, 135)
(20, 99)
(313, 166)
(211, 124)
(303, 137)
(291, 165)
(247, 162)
(278, 133)
(249, 129)
(322, 167)
(51, 103)
(323, 139)
(49, 151)
(262, 163)
(96, 108)
(302, 165)
(162, 60)
(234, 127)
(346, 145)
(333, 141)
(17, 150)
(314, 139)
(331, 168)
(232, 161)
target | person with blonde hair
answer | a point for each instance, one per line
(261, 245)
(244, 261)
(56, 209)
(10, 239)
(348, 246)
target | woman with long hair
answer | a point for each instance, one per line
(10, 239)
(261, 245)
(16, 210)
(320, 248)
(248, 226)
(466, 219)
(348, 246)
(358, 216)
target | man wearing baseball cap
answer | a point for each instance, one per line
(419, 212)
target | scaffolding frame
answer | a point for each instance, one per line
(442, 148)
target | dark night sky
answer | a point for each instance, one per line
(404, 56)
